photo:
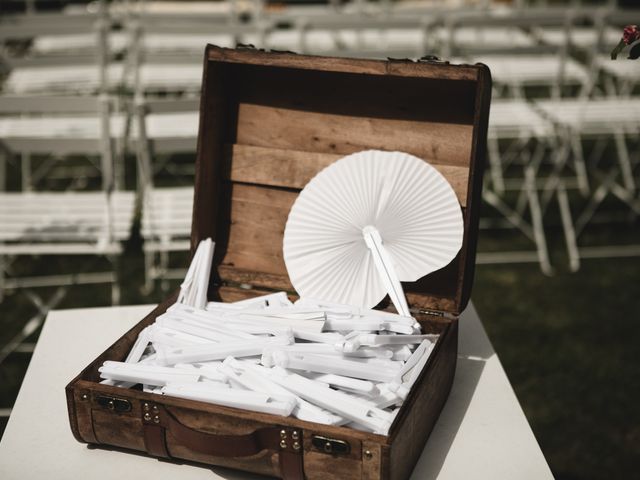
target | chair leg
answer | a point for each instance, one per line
(597, 150)
(579, 164)
(567, 227)
(536, 222)
(164, 268)
(2, 277)
(115, 292)
(495, 165)
(27, 183)
(610, 86)
(534, 162)
(3, 170)
(625, 161)
(119, 165)
(560, 158)
(594, 202)
(34, 323)
(149, 257)
(115, 284)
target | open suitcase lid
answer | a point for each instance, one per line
(270, 121)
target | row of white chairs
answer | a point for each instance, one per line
(175, 131)
(555, 132)
(549, 131)
(156, 52)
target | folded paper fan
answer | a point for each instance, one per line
(367, 222)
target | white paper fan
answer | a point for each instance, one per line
(332, 249)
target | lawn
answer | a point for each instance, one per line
(570, 345)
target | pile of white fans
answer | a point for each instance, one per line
(358, 228)
(320, 362)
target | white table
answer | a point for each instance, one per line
(481, 434)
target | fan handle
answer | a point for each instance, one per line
(384, 264)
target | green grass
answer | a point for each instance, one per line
(570, 345)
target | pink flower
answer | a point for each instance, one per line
(630, 34)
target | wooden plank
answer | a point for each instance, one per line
(350, 95)
(252, 277)
(290, 129)
(258, 218)
(345, 65)
(293, 169)
(275, 167)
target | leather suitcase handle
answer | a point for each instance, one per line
(157, 421)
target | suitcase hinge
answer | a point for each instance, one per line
(424, 59)
(432, 59)
(273, 50)
(249, 46)
(400, 60)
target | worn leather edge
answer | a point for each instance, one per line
(73, 417)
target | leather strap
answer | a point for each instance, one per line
(154, 441)
(291, 465)
(222, 445)
(157, 421)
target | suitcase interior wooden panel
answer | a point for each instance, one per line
(269, 123)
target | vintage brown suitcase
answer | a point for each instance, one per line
(268, 123)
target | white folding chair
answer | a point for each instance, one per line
(518, 61)
(165, 229)
(603, 120)
(55, 128)
(87, 225)
(529, 138)
(58, 66)
(166, 50)
(77, 43)
(584, 38)
(365, 37)
(162, 128)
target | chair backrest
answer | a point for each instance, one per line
(364, 36)
(56, 218)
(166, 214)
(36, 105)
(469, 34)
(147, 145)
(54, 108)
(163, 41)
(71, 64)
(25, 27)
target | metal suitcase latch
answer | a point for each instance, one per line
(331, 445)
(119, 405)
